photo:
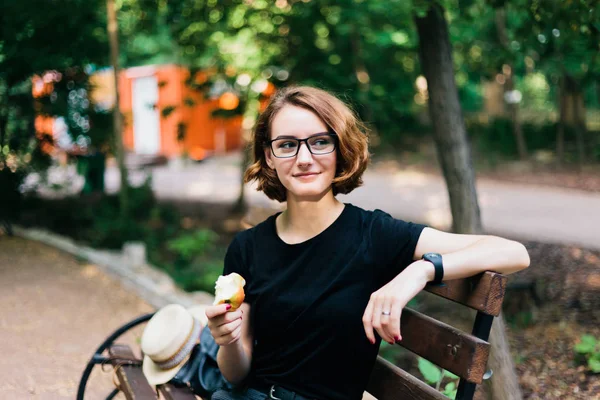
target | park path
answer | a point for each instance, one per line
(54, 312)
(523, 212)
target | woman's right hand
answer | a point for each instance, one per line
(225, 326)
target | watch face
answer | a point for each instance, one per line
(432, 255)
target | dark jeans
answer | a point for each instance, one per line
(239, 394)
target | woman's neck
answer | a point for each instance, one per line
(304, 219)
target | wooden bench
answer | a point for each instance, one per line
(133, 383)
(464, 354)
(461, 353)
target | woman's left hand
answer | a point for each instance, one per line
(391, 299)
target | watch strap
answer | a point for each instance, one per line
(436, 260)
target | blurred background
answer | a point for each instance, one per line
(127, 122)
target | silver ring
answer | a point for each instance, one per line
(385, 313)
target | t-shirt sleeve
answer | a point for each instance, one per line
(393, 243)
(236, 261)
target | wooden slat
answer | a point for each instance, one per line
(389, 382)
(132, 381)
(458, 352)
(171, 392)
(483, 292)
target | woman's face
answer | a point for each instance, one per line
(306, 176)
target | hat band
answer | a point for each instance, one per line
(183, 351)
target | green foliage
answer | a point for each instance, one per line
(199, 277)
(389, 352)
(193, 244)
(495, 139)
(589, 347)
(520, 320)
(168, 110)
(431, 373)
(37, 37)
(197, 259)
(435, 376)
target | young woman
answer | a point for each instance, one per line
(327, 281)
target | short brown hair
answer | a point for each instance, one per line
(352, 150)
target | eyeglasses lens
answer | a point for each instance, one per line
(317, 145)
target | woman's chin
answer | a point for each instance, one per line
(309, 194)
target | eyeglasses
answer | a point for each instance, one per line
(319, 143)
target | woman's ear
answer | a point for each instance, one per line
(269, 158)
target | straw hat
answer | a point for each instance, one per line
(168, 340)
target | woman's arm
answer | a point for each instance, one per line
(233, 334)
(462, 255)
(468, 255)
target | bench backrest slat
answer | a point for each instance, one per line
(483, 292)
(132, 381)
(454, 350)
(389, 382)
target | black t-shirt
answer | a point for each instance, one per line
(308, 299)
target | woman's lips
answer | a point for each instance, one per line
(306, 176)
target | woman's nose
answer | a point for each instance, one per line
(304, 155)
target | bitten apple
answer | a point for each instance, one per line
(229, 289)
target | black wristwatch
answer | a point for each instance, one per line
(436, 260)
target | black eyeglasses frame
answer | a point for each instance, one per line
(305, 140)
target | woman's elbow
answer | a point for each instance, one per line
(520, 257)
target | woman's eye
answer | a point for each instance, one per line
(321, 142)
(287, 145)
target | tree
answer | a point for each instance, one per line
(113, 35)
(53, 40)
(509, 85)
(563, 39)
(35, 37)
(455, 157)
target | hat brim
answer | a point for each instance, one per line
(156, 376)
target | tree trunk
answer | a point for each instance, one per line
(455, 156)
(4, 101)
(560, 128)
(363, 77)
(575, 96)
(509, 86)
(240, 204)
(580, 125)
(3, 124)
(113, 35)
(513, 110)
(449, 127)
(252, 111)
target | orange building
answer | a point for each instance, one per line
(159, 106)
(163, 116)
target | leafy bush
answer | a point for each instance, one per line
(434, 376)
(197, 260)
(589, 348)
(496, 138)
(193, 244)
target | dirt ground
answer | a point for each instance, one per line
(55, 312)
